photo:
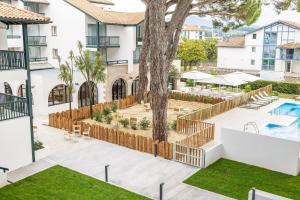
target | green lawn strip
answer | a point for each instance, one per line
(234, 179)
(59, 183)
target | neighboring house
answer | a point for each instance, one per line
(16, 119)
(274, 50)
(117, 35)
(193, 32)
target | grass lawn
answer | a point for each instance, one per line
(59, 183)
(234, 179)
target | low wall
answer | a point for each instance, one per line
(263, 151)
(212, 153)
(261, 195)
(3, 179)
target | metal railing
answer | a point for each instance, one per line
(10, 60)
(38, 59)
(13, 36)
(117, 62)
(4, 169)
(105, 41)
(290, 57)
(37, 41)
(12, 107)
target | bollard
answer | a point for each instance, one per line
(106, 173)
(161, 191)
(253, 194)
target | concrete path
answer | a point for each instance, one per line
(135, 171)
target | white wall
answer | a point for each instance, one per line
(15, 143)
(3, 35)
(212, 153)
(44, 81)
(261, 195)
(263, 151)
(70, 24)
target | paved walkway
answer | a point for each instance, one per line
(133, 170)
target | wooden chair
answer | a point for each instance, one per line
(86, 132)
(77, 130)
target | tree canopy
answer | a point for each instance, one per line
(192, 51)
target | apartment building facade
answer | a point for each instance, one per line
(117, 35)
(273, 50)
(193, 32)
(16, 119)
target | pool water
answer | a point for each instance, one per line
(288, 132)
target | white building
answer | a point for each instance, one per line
(117, 35)
(16, 120)
(193, 32)
(274, 50)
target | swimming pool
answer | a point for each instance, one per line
(288, 132)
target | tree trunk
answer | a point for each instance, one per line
(143, 66)
(91, 94)
(70, 110)
(158, 69)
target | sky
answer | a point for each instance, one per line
(268, 14)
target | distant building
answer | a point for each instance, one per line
(193, 32)
(274, 50)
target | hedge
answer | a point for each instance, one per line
(281, 87)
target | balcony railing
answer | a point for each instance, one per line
(38, 59)
(105, 41)
(117, 62)
(290, 57)
(10, 60)
(12, 107)
(13, 36)
(37, 41)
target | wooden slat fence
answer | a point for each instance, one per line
(125, 139)
(214, 110)
(62, 120)
(192, 97)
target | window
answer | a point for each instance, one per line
(254, 36)
(22, 91)
(252, 62)
(55, 53)
(135, 87)
(54, 30)
(85, 98)
(7, 89)
(58, 95)
(253, 49)
(119, 89)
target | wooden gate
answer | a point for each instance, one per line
(189, 155)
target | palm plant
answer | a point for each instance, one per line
(66, 74)
(92, 70)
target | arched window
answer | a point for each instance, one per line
(119, 89)
(58, 95)
(135, 87)
(22, 91)
(84, 97)
(7, 89)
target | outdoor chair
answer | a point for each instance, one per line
(266, 94)
(251, 106)
(263, 99)
(266, 97)
(256, 101)
(86, 132)
(76, 130)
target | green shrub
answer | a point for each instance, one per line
(247, 88)
(275, 93)
(208, 99)
(281, 87)
(38, 145)
(106, 112)
(144, 123)
(98, 116)
(213, 73)
(108, 118)
(134, 126)
(189, 83)
(114, 107)
(124, 122)
(174, 125)
(177, 96)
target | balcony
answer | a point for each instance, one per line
(38, 59)
(11, 60)
(37, 41)
(117, 62)
(12, 107)
(105, 41)
(290, 57)
(13, 36)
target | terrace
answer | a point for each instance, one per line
(37, 41)
(11, 60)
(105, 41)
(12, 107)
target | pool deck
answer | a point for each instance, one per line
(238, 117)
